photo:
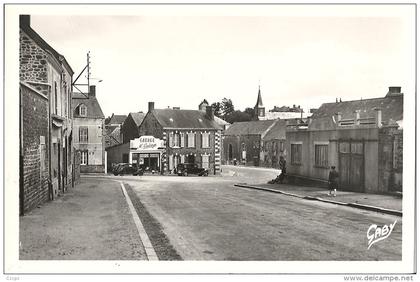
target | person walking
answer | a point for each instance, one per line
(333, 181)
(282, 164)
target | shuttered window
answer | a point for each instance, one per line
(176, 139)
(191, 140)
(182, 143)
(205, 140)
(205, 161)
(321, 155)
(83, 134)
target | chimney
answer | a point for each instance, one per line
(378, 117)
(357, 117)
(394, 91)
(92, 91)
(24, 20)
(210, 112)
(151, 106)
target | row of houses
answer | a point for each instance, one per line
(362, 138)
(54, 123)
(162, 138)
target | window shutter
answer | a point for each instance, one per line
(171, 139)
(182, 143)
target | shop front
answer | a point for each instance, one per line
(147, 152)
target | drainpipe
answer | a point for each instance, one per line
(50, 187)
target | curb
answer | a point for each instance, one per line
(310, 198)
(148, 247)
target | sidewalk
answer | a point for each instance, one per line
(92, 221)
(381, 203)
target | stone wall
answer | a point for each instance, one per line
(252, 148)
(390, 158)
(197, 150)
(33, 62)
(76, 170)
(35, 166)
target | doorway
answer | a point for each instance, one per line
(191, 159)
(351, 165)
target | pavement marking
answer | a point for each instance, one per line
(148, 247)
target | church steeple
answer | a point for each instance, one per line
(259, 108)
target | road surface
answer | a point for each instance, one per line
(207, 218)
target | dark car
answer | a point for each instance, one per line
(186, 168)
(126, 168)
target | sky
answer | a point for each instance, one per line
(179, 60)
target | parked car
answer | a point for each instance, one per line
(126, 168)
(187, 168)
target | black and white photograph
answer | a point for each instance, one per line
(210, 139)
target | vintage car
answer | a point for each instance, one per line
(188, 168)
(126, 168)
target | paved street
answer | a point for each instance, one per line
(209, 219)
(200, 218)
(91, 221)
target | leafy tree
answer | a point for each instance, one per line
(227, 107)
(217, 107)
(237, 116)
(251, 113)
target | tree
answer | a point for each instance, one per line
(217, 108)
(250, 112)
(227, 107)
(237, 116)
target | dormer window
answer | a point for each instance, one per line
(82, 110)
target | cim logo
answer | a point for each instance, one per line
(375, 233)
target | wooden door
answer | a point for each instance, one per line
(351, 165)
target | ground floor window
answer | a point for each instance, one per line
(147, 161)
(84, 157)
(205, 159)
(296, 153)
(321, 155)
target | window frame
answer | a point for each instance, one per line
(81, 129)
(192, 134)
(296, 159)
(205, 136)
(208, 161)
(321, 155)
(84, 161)
(82, 106)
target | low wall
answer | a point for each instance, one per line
(92, 168)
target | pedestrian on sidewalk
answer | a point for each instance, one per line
(333, 181)
(282, 164)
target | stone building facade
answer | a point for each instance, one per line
(189, 136)
(89, 130)
(243, 142)
(45, 73)
(34, 148)
(130, 126)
